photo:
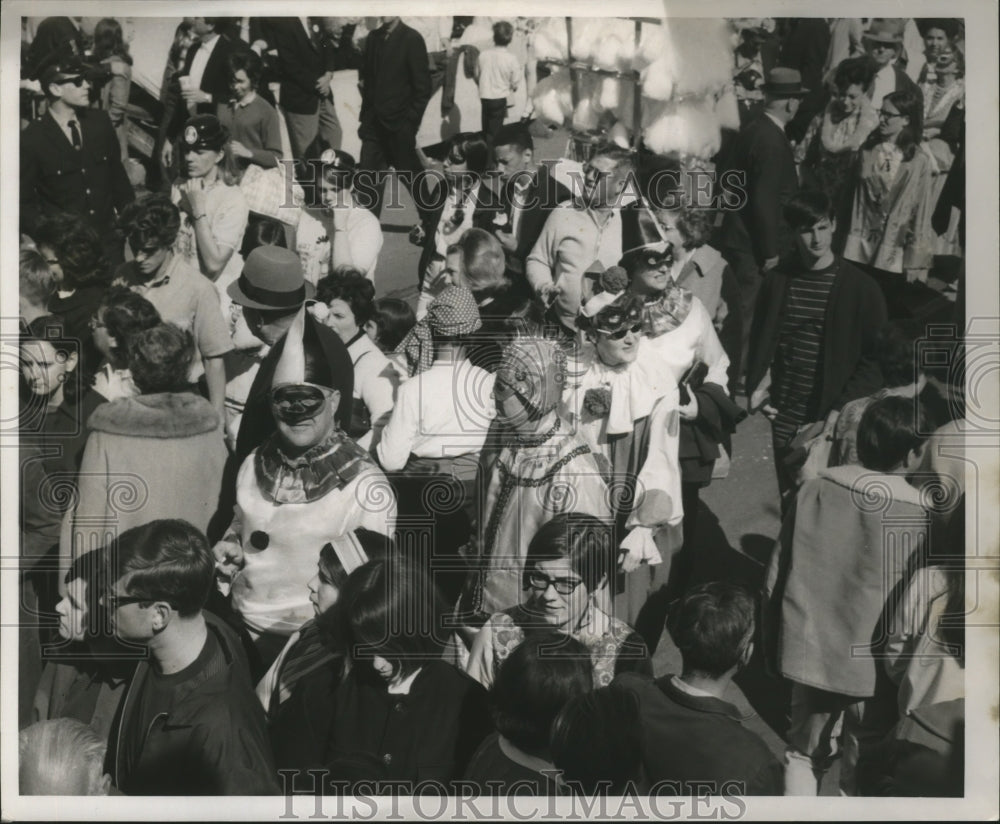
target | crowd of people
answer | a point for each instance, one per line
(289, 522)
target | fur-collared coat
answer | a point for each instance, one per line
(152, 456)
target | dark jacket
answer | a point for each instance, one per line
(55, 177)
(855, 313)
(301, 60)
(53, 34)
(396, 79)
(215, 81)
(428, 735)
(542, 195)
(700, 439)
(764, 155)
(700, 740)
(213, 741)
(485, 209)
(805, 49)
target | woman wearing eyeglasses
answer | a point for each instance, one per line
(305, 485)
(568, 568)
(891, 234)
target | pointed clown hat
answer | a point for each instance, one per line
(314, 356)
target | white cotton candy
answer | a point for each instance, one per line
(657, 80)
(585, 118)
(698, 54)
(609, 94)
(727, 110)
(608, 52)
(549, 40)
(553, 98)
(690, 128)
(586, 33)
(652, 43)
(619, 135)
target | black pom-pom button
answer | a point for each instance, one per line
(259, 539)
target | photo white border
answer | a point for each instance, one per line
(983, 264)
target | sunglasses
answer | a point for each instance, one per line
(621, 333)
(540, 581)
(113, 602)
(77, 80)
(296, 403)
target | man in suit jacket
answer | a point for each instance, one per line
(395, 87)
(754, 235)
(203, 83)
(71, 158)
(528, 195)
(884, 41)
(304, 64)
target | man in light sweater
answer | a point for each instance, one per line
(579, 233)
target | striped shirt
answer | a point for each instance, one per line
(799, 355)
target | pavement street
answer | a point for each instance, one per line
(745, 504)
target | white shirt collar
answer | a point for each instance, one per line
(683, 686)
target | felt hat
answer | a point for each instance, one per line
(782, 81)
(203, 131)
(884, 31)
(271, 279)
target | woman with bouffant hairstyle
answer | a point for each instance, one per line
(161, 451)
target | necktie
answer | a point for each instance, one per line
(74, 134)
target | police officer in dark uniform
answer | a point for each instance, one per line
(71, 157)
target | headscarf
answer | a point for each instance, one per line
(453, 313)
(533, 369)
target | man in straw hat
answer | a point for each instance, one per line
(305, 485)
(754, 235)
(884, 42)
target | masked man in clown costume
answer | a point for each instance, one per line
(305, 486)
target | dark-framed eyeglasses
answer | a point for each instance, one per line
(539, 581)
(111, 601)
(883, 114)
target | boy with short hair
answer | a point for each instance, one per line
(692, 737)
(189, 723)
(813, 337)
(498, 74)
(854, 536)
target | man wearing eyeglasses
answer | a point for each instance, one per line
(71, 157)
(577, 234)
(189, 723)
